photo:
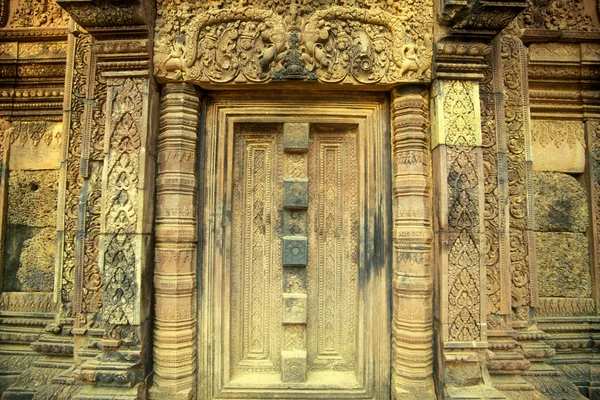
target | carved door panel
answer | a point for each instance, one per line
(295, 297)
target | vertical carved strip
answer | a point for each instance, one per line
(258, 250)
(495, 189)
(295, 252)
(70, 184)
(126, 209)
(508, 360)
(330, 253)
(593, 137)
(176, 241)
(460, 208)
(4, 156)
(412, 336)
(460, 234)
(522, 254)
(121, 208)
(89, 281)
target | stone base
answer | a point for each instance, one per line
(138, 392)
(405, 391)
(184, 389)
(550, 383)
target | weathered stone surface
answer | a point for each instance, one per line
(36, 272)
(32, 198)
(563, 265)
(560, 203)
(558, 146)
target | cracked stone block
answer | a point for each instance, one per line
(563, 265)
(560, 203)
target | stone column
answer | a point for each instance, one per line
(176, 245)
(459, 238)
(412, 327)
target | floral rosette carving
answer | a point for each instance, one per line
(348, 42)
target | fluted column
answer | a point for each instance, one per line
(176, 245)
(412, 364)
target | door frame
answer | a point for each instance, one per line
(220, 111)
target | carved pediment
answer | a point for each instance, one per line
(342, 41)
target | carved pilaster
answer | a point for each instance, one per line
(126, 208)
(524, 281)
(508, 361)
(176, 238)
(413, 247)
(522, 251)
(593, 140)
(460, 239)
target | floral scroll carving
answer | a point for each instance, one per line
(350, 42)
(38, 14)
(519, 174)
(557, 15)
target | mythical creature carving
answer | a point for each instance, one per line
(557, 15)
(346, 41)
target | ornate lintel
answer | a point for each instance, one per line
(354, 42)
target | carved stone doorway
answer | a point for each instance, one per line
(295, 263)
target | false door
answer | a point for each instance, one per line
(295, 269)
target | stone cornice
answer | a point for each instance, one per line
(103, 17)
(460, 60)
(480, 18)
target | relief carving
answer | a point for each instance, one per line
(460, 113)
(38, 14)
(72, 182)
(557, 15)
(464, 299)
(593, 137)
(121, 205)
(557, 133)
(353, 41)
(519, 174)
(495, 191)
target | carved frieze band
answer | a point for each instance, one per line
(413, 246)
(356, 41)
(176, 238)
(522, 246)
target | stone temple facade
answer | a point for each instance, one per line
(299, 199)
